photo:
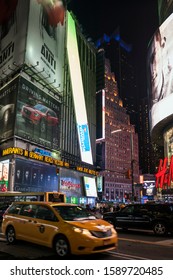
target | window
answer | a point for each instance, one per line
(14, 209)
(28, 210)
(45, 213)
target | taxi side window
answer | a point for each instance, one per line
(45, 213)
(28, 210)
(14, 209)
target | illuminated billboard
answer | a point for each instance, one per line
(32, 33)
(160, 73)
(149, 188)
(37, 115)
(45, 40)
(78, 92)
(8, 95)
(90, 186)
(4, 175)
(13, 32)
(34, 177)
(70, 183)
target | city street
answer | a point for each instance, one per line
(133, 245)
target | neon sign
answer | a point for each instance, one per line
(164, 176)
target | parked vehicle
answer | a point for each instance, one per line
(67, 228)
(151, 216)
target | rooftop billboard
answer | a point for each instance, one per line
(32, 33)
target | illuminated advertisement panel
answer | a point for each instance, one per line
(90, 186)
(70, 183)
(34, 177)
(99, 183)
(38, 115)
(168, 143)
(4, 174)
(13, 29)
(160, 73)
(149, 188)
(78, 92)
(32, 33)
(45, 40)
(7, 109)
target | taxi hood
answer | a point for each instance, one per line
(94, 224)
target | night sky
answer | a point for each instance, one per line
(137, 21)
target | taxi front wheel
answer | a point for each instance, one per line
(10, 235)
(61, 246)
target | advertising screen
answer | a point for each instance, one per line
(32, 33)
(45, 40)
(160, 72)
(34, 177)
(4, 175)
(13, 29)
(99, 183)
(70, 183)
(7, 109)
(38, 115)
(149, 188)
(90, 186)
(78, 92)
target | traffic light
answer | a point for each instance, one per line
(128, 174)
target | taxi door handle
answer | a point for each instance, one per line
(30, 221)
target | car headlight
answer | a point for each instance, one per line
(113, 230)
(82, 230)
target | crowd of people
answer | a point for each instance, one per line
(100, 209)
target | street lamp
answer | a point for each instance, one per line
(131, 158)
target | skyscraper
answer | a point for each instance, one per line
(117, 145)
(121, 60)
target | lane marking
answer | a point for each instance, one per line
(168, 242)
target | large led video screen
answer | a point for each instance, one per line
(90, 186)
(70, 183)
(160, 72)
(38, 115)
(34, 177)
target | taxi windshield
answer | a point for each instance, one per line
(74, 213)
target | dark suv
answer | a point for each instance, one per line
(156, 217)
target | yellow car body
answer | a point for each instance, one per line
(82, 232)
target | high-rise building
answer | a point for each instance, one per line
(150, 153)
(160, 89)
(121, 59)
(117, 142)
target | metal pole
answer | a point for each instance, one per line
(132, 161)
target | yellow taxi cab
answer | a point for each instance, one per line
(66, 228)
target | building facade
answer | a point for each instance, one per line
(48, 126)
(160, 89)
(117, 146)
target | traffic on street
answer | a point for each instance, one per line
(132, 245)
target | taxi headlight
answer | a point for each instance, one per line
(113, 230)
(82, 230)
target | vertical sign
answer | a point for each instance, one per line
(78, 92)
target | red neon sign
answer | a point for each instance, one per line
(164, 176)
